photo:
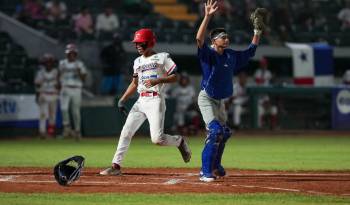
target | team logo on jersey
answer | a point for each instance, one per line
(155, 57)
(147, 67)
(149, 77)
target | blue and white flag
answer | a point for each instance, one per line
(312, 64)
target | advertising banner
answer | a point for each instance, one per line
(18, 110)
(341, 108)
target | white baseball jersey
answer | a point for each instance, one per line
(184, 96)
(69, 72)
(262, 76)
(152, 67)
(48, 80)
(239, 92)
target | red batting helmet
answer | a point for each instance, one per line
(145, 35)
(71, 48)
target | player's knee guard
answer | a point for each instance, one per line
(227, 133)
(219, 169)
(215, 136)
(215, 133)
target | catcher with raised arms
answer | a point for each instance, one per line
(218, 64)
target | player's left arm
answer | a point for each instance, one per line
(259, 18)
(170, 73)
(81, 70)
(172, 78)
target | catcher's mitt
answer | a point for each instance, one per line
(260, 18)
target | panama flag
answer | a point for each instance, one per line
(312, 64)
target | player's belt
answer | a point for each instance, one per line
(49, 93)
(148, 94)
(71, 86)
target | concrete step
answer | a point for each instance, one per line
(160, 2)
(171, 9)
(182, 17)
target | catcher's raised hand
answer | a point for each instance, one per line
(259, 18)
(210, 7)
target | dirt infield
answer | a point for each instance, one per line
(174, 180)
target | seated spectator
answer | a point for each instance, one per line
(107, 22)
(346, 78)
(83, 23)
(30, 10)
(344, 16)
(56, 10)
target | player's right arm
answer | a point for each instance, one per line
(132, 88)
(210, 8)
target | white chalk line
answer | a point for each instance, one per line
(12, 179)
(173, 181)
(6, 178)
(197, 174)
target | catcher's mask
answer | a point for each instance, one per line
(68, 170)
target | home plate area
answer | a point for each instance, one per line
(177, 180)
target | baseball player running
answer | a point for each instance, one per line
(151, 71)
(46, 81)
(72, 75)
(218, 64)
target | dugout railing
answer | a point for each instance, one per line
(298, 107)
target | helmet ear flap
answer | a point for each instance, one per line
(152, 42)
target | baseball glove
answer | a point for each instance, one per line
(260, 18)
(121, 107)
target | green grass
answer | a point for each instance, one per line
(260, 153)
(167, 199)
(244, 152)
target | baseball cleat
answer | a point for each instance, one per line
(185, 150)
(219, 172)
(77, 135)
(111, 171)
(67, 132)
(204, 178)
(207, 179)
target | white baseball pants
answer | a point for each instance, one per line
(151, 108)
(71, 96)
(48, 108)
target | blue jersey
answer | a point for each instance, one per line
(218, 69)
